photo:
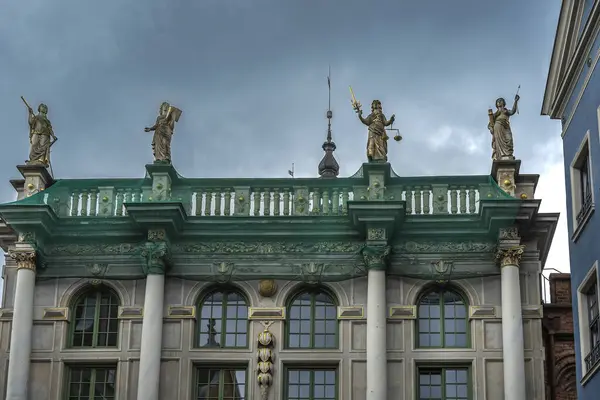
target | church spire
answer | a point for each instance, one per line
(329, 167)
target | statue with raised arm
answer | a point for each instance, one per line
(41, 135)
(163, 132)
(376, 121)
(499, 126)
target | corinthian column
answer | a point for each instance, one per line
(22, 323)
(375, 258)
(156, 256)
(512, 323)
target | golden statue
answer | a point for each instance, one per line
(499, 126)
(376, 121)
(163, 132)
(41, 135)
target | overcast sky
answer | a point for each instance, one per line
(250, 77)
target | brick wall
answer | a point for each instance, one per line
(558, 340)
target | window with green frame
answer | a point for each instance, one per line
(91, 383)
(442, 319)
(220, 383)
(312, 320)
(311, 384)
(95, 320)
(445, 383)
(223, 319)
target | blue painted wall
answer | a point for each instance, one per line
(586, 250)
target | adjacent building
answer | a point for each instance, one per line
(573, 96)
(561, 380)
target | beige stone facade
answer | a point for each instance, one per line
(51, 356)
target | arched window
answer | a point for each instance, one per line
(312, 320)
(442, 319)
(95, 320)
(223, 319)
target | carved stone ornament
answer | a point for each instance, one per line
(266, 356)
(156, 257)
(442, 269)
(376, 257)
(510, 256)
(267, 287)
(156, 235)
(376, 234)
(511, 233)
(25, 259)
(268, 247)
(97, 269)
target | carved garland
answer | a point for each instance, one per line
(266, 356)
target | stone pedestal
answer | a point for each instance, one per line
(22, 323)
(505, 172)
(37, 178)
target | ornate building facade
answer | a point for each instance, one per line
(373, 286)
(572, 96)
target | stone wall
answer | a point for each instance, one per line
(561, 381)
(51, 355)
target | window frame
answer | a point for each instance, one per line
(221, 367)
(312, 368)
(442, 288)
(592, 278)
(69, 367)
(96, 326)
(442, 368)
(582, 204)
(314, 291)
(222, 335)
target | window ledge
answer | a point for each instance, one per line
(588, 376)
(583, 223)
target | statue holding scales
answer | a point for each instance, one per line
(377, 122)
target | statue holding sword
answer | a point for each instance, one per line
(377, 122)
(41, 135)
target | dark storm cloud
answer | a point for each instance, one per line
(251, 79)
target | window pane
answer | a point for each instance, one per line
(312, 321)
(442, 320)
(95, 321)
(91, 383)
(223, 320)
(311, 384)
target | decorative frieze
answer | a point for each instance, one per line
(376, 234)
(443, 247)
(6, 314)
(403, 312)
(181, 312)
(482, 312)
(509, 256)
(351, 312)
(56, 313)
(266, 313)
(131, 312)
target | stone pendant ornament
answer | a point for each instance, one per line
(265, 356)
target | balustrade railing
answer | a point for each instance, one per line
(269, 197)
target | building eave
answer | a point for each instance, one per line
(575, 64)
(7, 235)
(543, 229)
(563, 28)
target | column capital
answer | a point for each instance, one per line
(509, 256)
(156, 254)
(25, 258)
(376, 257)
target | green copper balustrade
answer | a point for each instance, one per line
(268, 197)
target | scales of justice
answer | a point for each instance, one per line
(357, 108)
